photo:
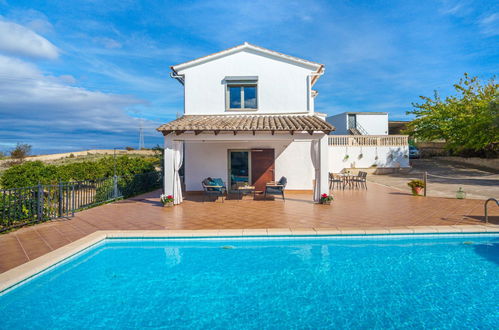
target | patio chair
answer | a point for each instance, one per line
(214, 187)
(276, 188)
(334, 179)
(360, 180)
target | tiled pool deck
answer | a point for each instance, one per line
(380, 210)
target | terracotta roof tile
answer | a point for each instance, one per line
(246, 123)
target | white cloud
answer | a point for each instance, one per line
(18, 40)
(40, 25)
(31, 101)
(490, 24)
(459, 8)
(109, 43)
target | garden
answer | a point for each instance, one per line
(34, 191)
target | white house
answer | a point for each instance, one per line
(248, 117)
(361, 141)
(359, 123)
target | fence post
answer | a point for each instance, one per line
(115, 187)
(60, 199)
(40, 202)
(425, 180)
(73, 199)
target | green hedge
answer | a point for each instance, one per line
(31, 173)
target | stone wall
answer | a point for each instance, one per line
(492, 163)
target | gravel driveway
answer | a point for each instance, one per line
(444, 179)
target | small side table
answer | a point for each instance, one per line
(245, 190)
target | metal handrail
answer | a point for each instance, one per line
(485, 207)
(361, 129)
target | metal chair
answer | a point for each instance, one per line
(334, 179)
(360, 180)
(276, 188)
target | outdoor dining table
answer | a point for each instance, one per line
(347, 179)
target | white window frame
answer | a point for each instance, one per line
(241, 84)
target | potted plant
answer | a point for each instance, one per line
(460, 194)
(416, 186)
(346, 157)
(326, 199)
(167, 200)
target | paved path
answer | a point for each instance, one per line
(377, 207)
(444, 179)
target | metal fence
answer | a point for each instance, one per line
(22, 206)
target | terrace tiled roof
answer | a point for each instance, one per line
(249, 123)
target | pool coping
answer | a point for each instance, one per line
(23, 272)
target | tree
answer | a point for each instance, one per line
(467, 121)
(20, 152)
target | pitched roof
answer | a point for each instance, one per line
(251, 123)
(315, 65)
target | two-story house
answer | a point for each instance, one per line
(248, 118)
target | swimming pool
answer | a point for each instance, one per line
(329, 282)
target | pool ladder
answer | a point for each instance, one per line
(485, 207)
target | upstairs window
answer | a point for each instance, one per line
(241, 95)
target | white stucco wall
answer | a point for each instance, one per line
(382, 157)
(282, 86)
(339, 122)
(372, 123)
(209, 159)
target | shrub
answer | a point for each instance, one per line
(20, 152)
(32, 173)
(28, 174)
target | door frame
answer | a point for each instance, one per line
(229, 175)
(353, 121)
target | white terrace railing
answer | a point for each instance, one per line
(368, 140)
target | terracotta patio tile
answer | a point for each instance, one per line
(353, 211)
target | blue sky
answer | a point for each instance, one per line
(78, 74)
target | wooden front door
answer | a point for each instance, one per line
(262, 167)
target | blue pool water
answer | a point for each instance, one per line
(266, 284)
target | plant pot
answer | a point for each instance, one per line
(169, 204)
(417, 191)
(325, 202)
